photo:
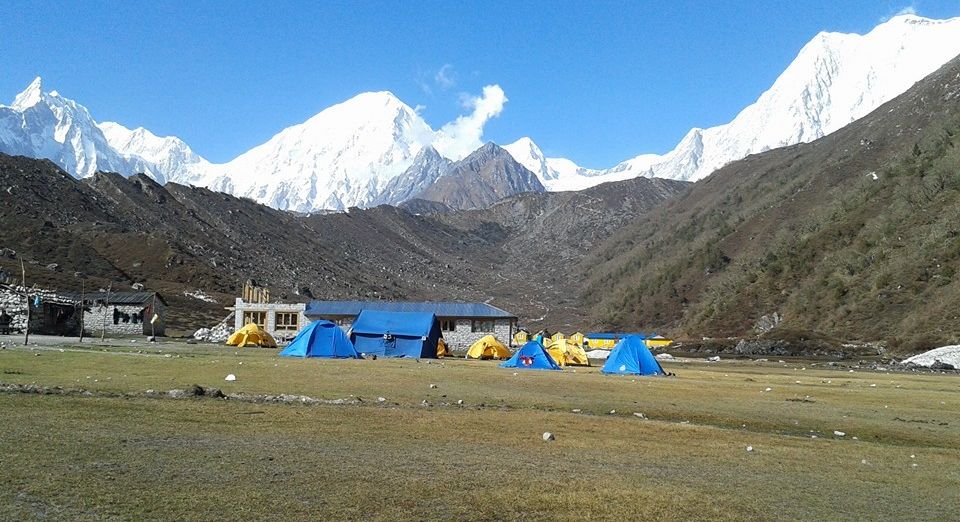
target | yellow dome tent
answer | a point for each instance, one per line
(556, 351)
(557, 337)
(576, 338)
(568, 353)
(488, 347)
(521, 337)
(251, 335)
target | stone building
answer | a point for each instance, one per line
(462, 324)
(281, 320)
(124, 313)
(58, 313)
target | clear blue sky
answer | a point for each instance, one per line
(597, 82)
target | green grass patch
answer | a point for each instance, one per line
(68, 457)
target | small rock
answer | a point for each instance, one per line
(381, 399)
(547, 436)
(768, 389)
(433, 386)
(612, 412)
(230, 377)
(639, 415)
(749, 448)
(575, 410)
(839, 433)
(460, 402)
(715, 358)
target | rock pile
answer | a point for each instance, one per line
(218, 334)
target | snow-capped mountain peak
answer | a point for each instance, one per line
(30, 96)
(46, 125)
(341, 157)
(835, 79)
(168, 154)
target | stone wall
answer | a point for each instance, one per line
(462, 337)
(119, 320)
(13, 302)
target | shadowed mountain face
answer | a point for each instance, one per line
(108, 229)
(486, 176)
(855, 234)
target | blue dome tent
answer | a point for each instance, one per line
(631, 357)
(531, 356)
(321, 339)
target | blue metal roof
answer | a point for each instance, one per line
(439, 309)
(615, 336)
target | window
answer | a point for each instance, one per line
(288, 321)
(481, 326)
(257, 318)
(448, 325)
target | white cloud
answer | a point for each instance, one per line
(908, 10)
(457, 139)
(445, 77)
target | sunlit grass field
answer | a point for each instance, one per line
(136, 457)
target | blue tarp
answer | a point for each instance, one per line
(616, 336)
(631, 356)
(396, 334)
(321, 339)
(531, 356)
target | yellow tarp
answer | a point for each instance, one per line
(442, 350)
(251, 335)
(567, 353)
(658, 342)
(488, 347)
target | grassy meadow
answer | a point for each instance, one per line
(108, 456)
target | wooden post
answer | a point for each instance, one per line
(103, 329)
(153, 312)
(83, 298)
(26, 297)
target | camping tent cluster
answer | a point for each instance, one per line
(374, 333)
(417, 335)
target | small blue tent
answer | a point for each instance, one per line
(321, 339)
(631, 356)
(531, 356)
(396, 334)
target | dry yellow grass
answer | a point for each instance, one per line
(141, 458)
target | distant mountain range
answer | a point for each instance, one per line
(373, 148)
